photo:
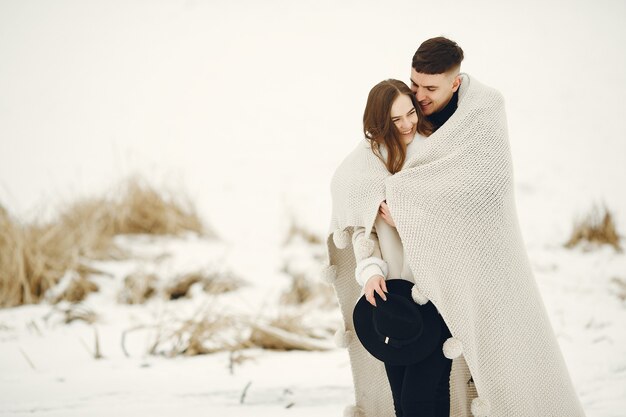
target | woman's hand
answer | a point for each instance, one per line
(386, 214)
(375, 283)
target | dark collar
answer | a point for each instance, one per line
(442, 116)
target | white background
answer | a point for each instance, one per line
(247, 108)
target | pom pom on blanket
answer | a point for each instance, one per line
(364, 248)
(343, 337)
(480, 407)
(329, 273)
(341, 238)
(352, 411)
(418, 297)
(452, 348)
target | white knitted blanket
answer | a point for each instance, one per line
(454, 207)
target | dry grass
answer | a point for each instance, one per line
(77, 290)
(181, 286)
(220, 282)
(215, 282)
(205, 333)
(619, 287)
(138, 288)
(74, 312)
(598, 227)
(143, 209)
(236, 357)
(218, 331)
(288, 331)
(297, 230)
(308, 291)
(34, 257)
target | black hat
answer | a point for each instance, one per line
(398, 331)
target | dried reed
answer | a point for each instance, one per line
(208, 333)
(236, 357)
(181, 285)
(77, 290)
(219, 282)
(619, 285)
(304, 290)
(73, 312)
(288, 331)
(213, 282)
(297, 230)
(216, 331)
(138, 288)
(143, 209)
(34, 257)
(597, 227)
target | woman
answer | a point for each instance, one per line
(392, 122)
(439, 210)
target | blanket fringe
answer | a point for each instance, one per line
(343, 337)
(452, 348)
(341, 238)
(363, 248)
(352, 411)
(480, 407)
(418, 297)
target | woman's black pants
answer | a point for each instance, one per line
(422, 389)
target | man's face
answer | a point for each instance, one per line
(434, 91)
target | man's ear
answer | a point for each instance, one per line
(457, 83)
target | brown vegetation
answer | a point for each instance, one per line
(218, 331)
(298, 231)
(216, 282)
(74, 312)
(288, 331)
(78, 288)
(597, 227)
(181, 286)
(34, 257)
(619, 287)
(304, 290)
(138, 288)
(207, 332)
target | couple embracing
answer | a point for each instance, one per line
(441, 311)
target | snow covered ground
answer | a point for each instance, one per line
(48, 367)
(252, 105)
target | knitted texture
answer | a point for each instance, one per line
(454, 208)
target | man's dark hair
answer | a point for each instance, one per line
(437, 55)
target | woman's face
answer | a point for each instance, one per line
(404, 116)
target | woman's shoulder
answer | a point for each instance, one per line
(358, 154)
(360, 163)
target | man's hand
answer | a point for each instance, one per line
(386, 214)
(375, 283)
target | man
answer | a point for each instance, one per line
(435, 78)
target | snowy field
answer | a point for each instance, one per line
(247, 107)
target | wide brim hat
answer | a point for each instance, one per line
(398, 331)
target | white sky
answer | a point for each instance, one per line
(223, 98)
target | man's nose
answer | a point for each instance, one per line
(419, 95)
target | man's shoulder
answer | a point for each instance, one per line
(470, 82)
(475, 88)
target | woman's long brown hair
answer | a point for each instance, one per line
(380, 129)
